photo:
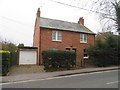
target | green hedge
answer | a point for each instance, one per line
(105, 53)
(13, 58)
(4, 62)
(56, 59)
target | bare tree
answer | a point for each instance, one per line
(0, 43)
(117, 10)
(106, 10)
(0, 39)
(106, 13)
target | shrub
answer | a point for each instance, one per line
(4, 62)
(13, 58)
(105, 53)
(56, 59)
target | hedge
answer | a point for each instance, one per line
(105, 53)
(56, 59)
(4, 62)
(13, 58)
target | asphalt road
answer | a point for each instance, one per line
(106, 79)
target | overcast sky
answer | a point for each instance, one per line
(17, 17)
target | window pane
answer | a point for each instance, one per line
(81, 37)
(59, 36)
(84, 50)
(54, 35)
(85, 38)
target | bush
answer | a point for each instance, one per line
(4, 62)
(13, 58)
(56, 59)
(105, 53)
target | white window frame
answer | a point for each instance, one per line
(83, 38)
(56, 36)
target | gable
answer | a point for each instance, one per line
(62, 25)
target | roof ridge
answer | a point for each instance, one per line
(60, 20)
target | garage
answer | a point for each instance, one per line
(27, 55)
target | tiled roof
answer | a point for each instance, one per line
(62, 25)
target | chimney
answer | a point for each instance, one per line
(38, 12)
(81, 21)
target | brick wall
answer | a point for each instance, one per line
(69, 39)
(36, 39)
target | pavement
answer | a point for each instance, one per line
(43, 75)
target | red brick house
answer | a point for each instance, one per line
(61, 35)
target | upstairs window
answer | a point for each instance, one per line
(56, 36)
(83, 38)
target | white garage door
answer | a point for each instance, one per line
(27, 57)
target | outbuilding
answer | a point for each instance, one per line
(27, 55)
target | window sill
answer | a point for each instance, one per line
(83, 42)
(57, 40)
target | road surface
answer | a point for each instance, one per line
(104, 79)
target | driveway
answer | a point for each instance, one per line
(25, 69)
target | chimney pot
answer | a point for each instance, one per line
(81, 21)
(38, 12)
